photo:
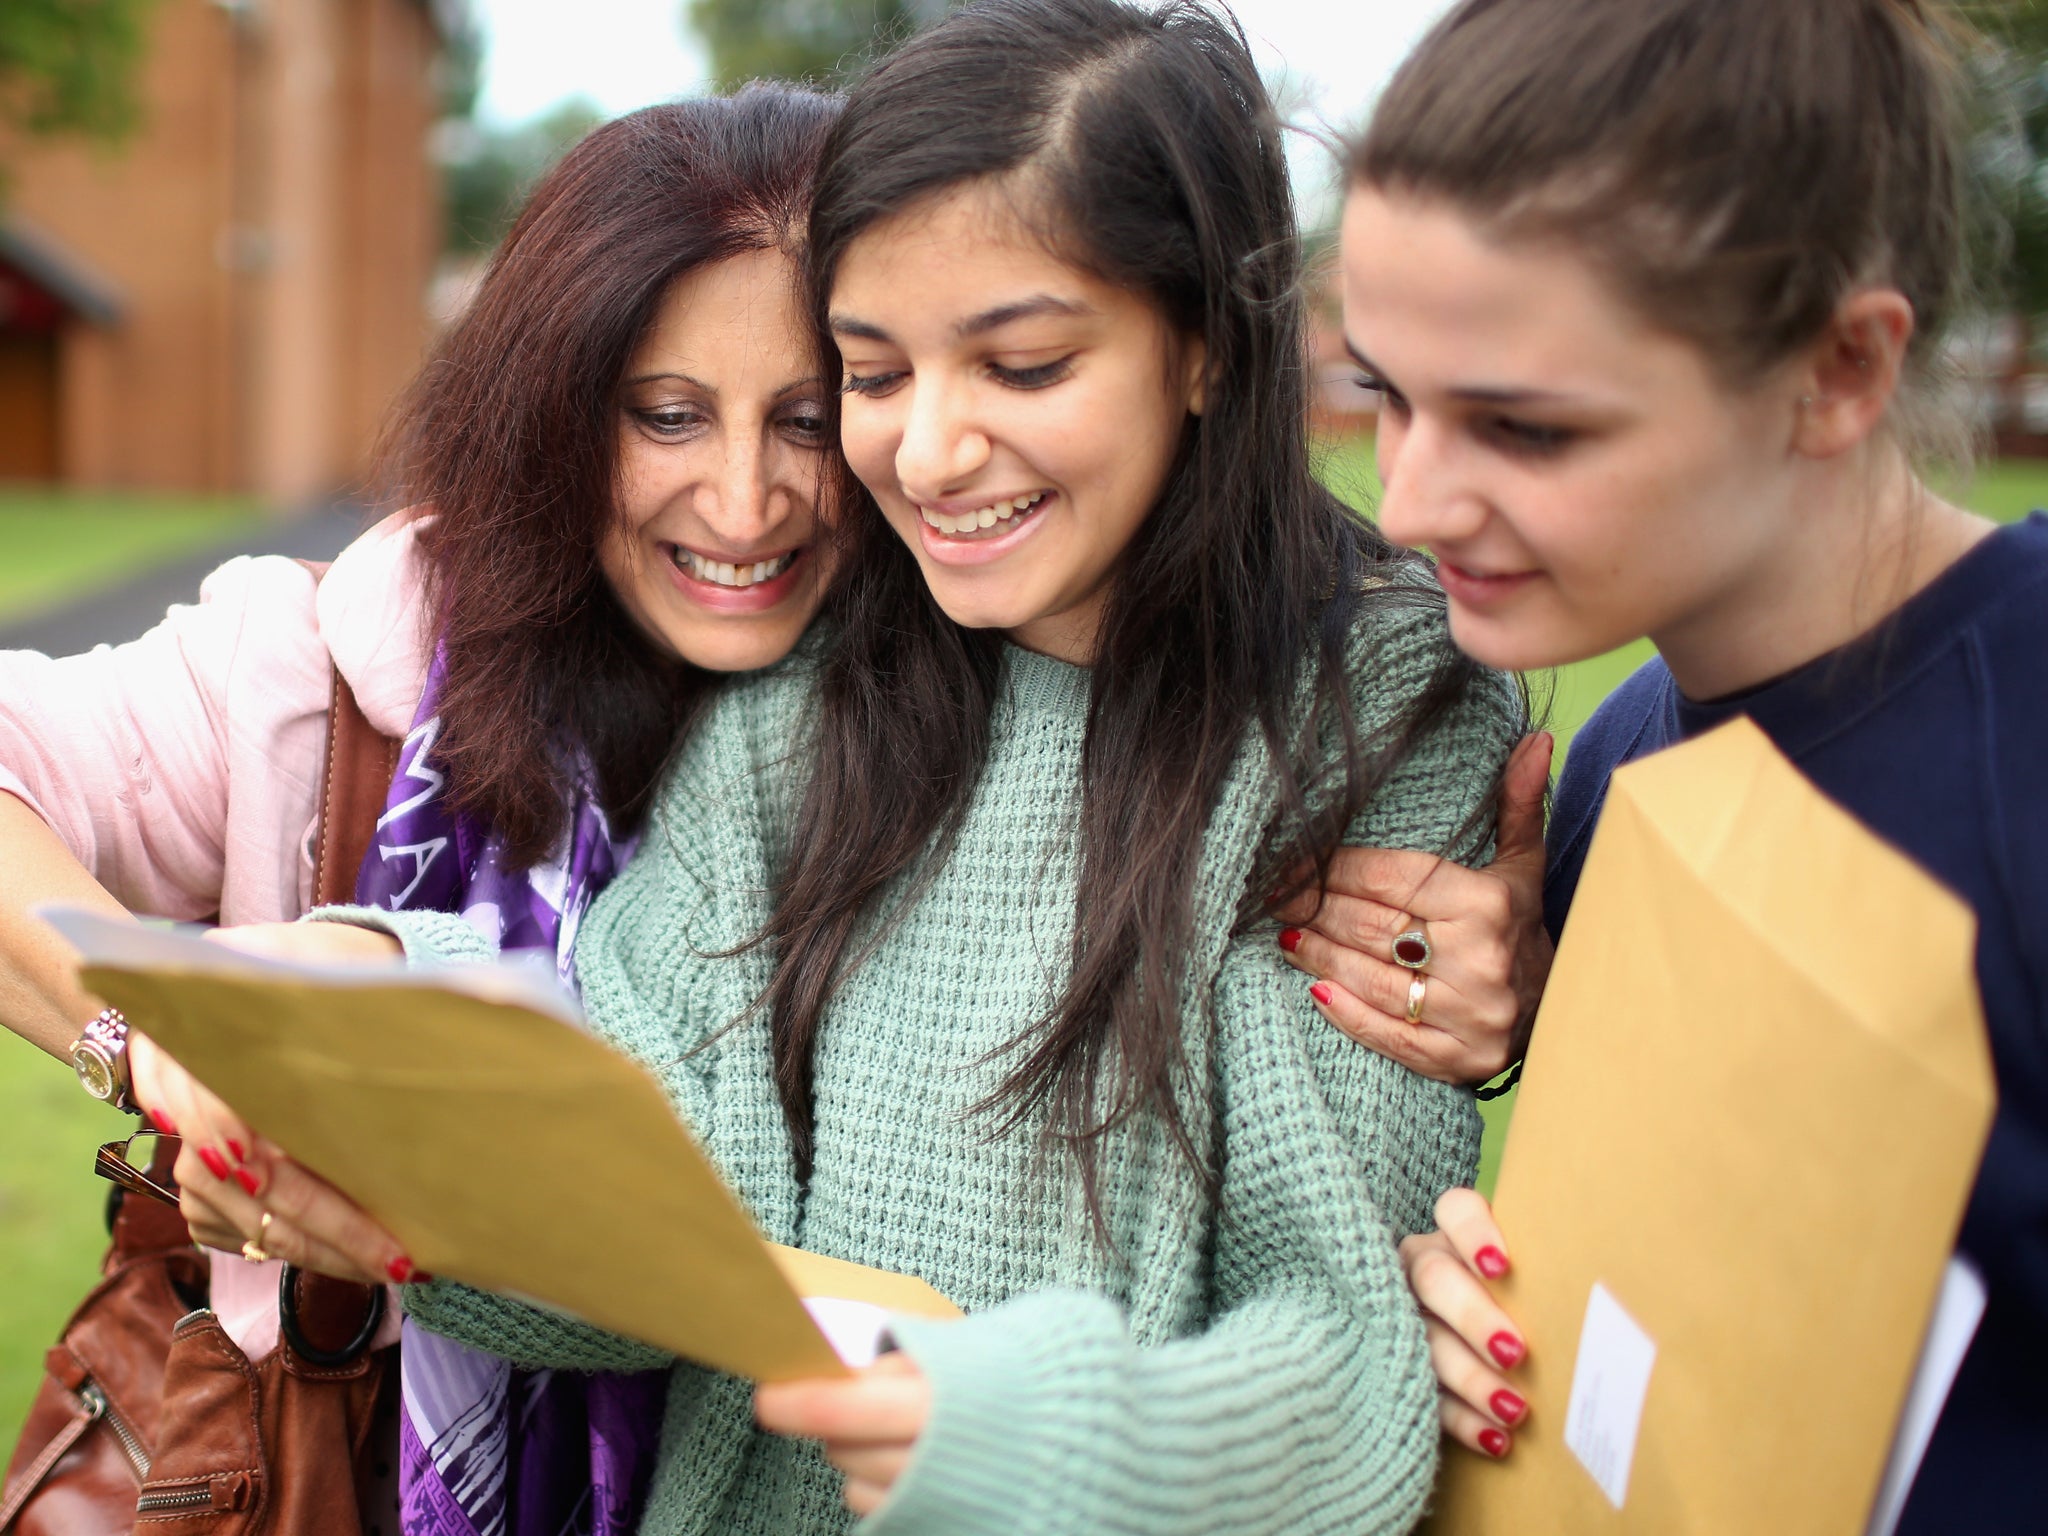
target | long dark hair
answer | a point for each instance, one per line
(509, 437)
(1155, 162)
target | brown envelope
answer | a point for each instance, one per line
(500, 1145)
(1751, 1119)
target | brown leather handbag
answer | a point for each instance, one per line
(150, 1420)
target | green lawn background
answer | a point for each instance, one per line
(58, 546)
(52, 549)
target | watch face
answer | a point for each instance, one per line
(95, 1073)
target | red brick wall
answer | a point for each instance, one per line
(271, 229)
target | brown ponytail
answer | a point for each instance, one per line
(1735, 166)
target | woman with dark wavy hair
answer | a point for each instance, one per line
(613, 468)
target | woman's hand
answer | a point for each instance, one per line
(230, 1177)
(1491, 952)
(1471, 1341)
(869, 1422)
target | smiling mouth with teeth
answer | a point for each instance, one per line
(995, 515)
(724, 573)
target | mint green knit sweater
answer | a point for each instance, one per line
(1249, 1362)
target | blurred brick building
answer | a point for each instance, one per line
(229, 300)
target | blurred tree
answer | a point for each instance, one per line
(2012, 151)
(490, 171)
(70, 66)
(823, 42)
(2009, 167)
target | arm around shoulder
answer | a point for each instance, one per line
(1439, 795)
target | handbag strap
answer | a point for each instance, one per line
(361, 762)
(32, 1475)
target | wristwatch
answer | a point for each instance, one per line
(100, 1054)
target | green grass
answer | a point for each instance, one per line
(50, 1202)
(56, 546)
(59, 545)
(2007, 489)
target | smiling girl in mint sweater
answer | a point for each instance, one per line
(977, 985)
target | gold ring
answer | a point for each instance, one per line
(1416, 989)
(252, 1250)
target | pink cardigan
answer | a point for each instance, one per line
(183, 769)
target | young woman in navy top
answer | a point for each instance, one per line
(1655, 291)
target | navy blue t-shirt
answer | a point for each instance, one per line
(1933, 731)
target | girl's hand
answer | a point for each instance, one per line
(869, 1422)
(1491, 952)
(230, 1177)
(1471, 1341)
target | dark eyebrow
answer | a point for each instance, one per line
(1472, 394)
(698, 384)
(669, 373)
(973, 325)
(1023, 309)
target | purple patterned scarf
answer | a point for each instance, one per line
(486, 1449)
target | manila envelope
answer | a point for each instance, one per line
(500, 1144)
(1749, 1123)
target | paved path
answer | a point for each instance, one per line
(117, 614)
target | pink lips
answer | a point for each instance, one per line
(944, 549)
(1475, 589)
(755, 599)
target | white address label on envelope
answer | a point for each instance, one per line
(1609, 1383)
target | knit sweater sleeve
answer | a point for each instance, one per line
(1307, 1403)
(1418, 1138)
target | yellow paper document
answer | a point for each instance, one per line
(500, 1144)
(1750, 1120)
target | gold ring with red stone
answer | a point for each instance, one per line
(1412, 949)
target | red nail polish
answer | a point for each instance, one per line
(1321, 993)
(1491, 1261)
(421, 1277)
(247, 1180)
(235, 1147)
(1507, 1349)
(1507, 1406)
(163, 1122)
(1494, 1442)
(215, 1163)
(1290, 939)
(400, 1270)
